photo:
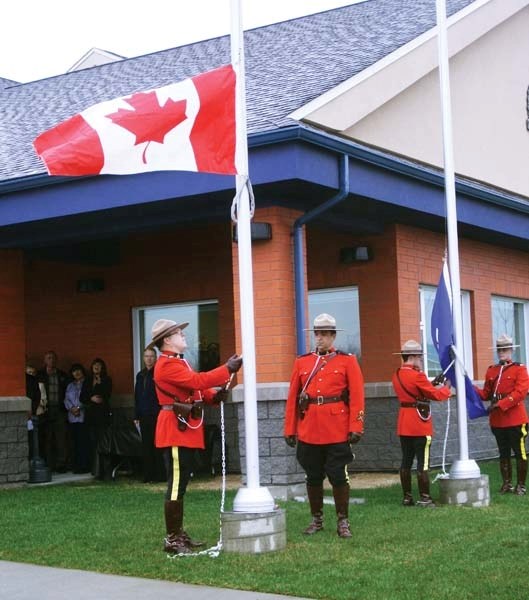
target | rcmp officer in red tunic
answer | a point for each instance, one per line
(179, 429)
(414, 426)
(325, 414)
(506, 386)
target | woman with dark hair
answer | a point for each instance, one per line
(95, 398)
(76, 416)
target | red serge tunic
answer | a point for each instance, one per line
(326, 423)
(512, 387)
(174, 375)
(419, 386)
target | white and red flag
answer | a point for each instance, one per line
(185, 126)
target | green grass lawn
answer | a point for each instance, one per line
(395, 553)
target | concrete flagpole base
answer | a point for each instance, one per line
(254, 533)
(465, 492)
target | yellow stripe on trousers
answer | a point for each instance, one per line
(522, 441)
(176, 473)
(427, 453)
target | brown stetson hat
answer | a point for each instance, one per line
(411, 348)
(163, 328)
(324, 322)
(504, 342)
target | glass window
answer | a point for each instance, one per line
(202, 333)
(342, 304)
(511, 317)
(431, 360)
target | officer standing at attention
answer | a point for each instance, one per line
(414, 426)
(180, 426)
(325, 414)
(506, 386)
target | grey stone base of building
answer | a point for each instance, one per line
(254, 533)
(14, 460)
(465, 492)
(379, 449)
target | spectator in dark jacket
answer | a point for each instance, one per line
(95, 398)
(146, 413)
(33, 393)
(56, 447)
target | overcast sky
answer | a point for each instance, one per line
(42, 38)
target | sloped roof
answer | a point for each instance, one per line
(287, 65)
(6, 82)
(95, 57)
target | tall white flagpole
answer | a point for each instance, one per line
(463, 468)
(253, 498)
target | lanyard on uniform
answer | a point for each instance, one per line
(313, 372)
(180, 357)
(502, 368)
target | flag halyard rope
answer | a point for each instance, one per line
(237, 198)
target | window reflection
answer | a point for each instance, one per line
(342, 304)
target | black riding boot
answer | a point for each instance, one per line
(315, 496)
(341, 502)
(174, 542)
(405, 482)
(423, 482)
(506, 475)
(521, 472)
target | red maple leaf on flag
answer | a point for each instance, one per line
(147, 120)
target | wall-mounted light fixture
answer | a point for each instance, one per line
(259, 232)
(355, 254)
(88, 286)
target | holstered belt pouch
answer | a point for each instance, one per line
(303, 404)
(183, 410)
(423, 408)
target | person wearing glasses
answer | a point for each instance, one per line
(181, 394)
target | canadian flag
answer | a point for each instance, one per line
(185, 126)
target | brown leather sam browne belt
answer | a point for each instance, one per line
(325, 399)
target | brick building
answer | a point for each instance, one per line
(345, 155)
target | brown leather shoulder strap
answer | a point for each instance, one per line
(405, 388)
(166, 393)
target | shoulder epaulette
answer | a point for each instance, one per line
(344, 353)
(302, 355)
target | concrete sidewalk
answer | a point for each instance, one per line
(20, 581)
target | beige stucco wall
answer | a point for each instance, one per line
(489, 81)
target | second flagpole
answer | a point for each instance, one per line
(252, 498)
(463, 468)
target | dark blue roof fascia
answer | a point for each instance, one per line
(287, 154)
(324, 140)
(389, 162)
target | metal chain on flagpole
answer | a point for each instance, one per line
(444, 474)
(214, 551)
(236, 199)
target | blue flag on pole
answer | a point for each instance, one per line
(443, 340)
